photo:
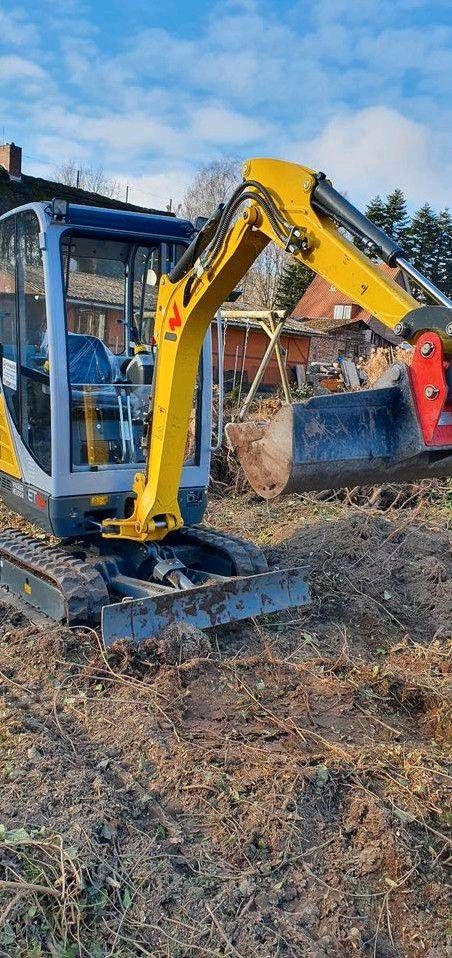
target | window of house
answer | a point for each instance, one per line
(342, 312)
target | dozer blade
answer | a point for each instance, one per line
(345, 439)
(205, 606)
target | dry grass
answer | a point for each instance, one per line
(285, 794)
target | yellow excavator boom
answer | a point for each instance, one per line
(276, 203)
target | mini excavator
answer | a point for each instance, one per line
(106, 399)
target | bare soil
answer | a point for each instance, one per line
(279, 791)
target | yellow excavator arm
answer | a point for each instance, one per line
(298, 210)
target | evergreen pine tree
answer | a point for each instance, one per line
(295, 279)
(376, 211)
(424, 241)
(390, 215)
(426, 238)
(396, 215)
(443, 272)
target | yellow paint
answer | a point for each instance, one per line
(8, 458)
(99, 500)
(97, 448)
(180, 328)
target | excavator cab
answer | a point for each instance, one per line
(78, 292)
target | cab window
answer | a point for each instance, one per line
(146, 277)
(8, 317)
(34, 355)
(95, 284)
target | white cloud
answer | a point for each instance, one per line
(307, 64)
(16, 29)
(129, 134)
(376, 149)
(215, 124)
(156, 189)
(18, 68)
(57, 148)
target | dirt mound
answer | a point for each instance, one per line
(375, 578)
(283, 795)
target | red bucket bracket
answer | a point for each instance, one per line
(430, 377)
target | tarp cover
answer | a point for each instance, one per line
(89, 360)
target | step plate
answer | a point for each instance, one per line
(206, 606)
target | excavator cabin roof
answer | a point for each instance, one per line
(119, 222)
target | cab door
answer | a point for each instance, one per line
(9, 335)
(33, 341)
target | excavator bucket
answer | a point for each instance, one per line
(205, 606)
(400, 430)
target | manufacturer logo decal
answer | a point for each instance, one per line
(175, 320)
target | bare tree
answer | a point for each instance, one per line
(87, 177)
(212, 185)
(264, 277)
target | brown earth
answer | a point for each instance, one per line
(282, 792)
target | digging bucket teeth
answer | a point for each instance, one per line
(345, 439)
(205, 606)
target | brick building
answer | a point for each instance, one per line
(348, 329)
(245, 343)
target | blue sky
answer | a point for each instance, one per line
(151, 90)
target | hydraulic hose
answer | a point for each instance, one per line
(231, 210)
(210, 238)
(197, 245)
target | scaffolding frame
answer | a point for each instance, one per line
(271, 321)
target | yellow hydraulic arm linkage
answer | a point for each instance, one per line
(298, 210)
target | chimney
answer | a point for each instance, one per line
(11, 160)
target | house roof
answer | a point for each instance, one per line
(316, 306)
(106, 291)
(33, 189)
(292, 326)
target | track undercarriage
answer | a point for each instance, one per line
(198, 576)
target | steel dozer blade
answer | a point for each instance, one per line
(205, 606)
(347, 439)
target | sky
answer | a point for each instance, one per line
(153, 89)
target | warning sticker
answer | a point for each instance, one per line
(9, 373)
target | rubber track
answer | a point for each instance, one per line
(81, 585)
(245, 556)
